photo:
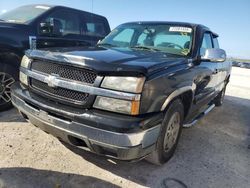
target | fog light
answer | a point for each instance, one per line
(23, 78)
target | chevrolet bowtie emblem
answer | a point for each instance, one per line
(52, 80)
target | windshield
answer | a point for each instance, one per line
(173, 39)
(23, 14)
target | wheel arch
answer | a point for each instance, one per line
(11, 58)
(185, 94)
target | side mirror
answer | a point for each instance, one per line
(45, 28)
(214, 55)
(51, 28)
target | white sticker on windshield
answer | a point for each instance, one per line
(42, 7)
(181, 29)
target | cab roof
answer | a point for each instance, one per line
(186, 24)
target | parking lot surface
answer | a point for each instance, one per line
(213, 153)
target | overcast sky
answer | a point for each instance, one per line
(229, 18)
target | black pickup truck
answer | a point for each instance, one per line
(42, 26)
(128, 97)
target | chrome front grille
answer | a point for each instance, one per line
(70, 73)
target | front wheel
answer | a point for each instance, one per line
(7, 78)
(169, 135)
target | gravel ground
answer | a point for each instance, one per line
(214, 153)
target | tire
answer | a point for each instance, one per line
(169, 134)
(8, 76)
(218, 101)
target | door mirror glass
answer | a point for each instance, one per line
(214, 55)
(52, 28)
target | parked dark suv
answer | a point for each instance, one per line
(42, 26)
(130, 96)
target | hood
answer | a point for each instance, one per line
(119, 61)
(13, 34)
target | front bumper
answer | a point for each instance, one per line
(77, 129)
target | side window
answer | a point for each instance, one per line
(67, 22)
(93, 26)
(206, 43)
(216, 43)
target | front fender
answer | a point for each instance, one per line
(160, 90)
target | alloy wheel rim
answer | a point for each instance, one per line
(172, 131)
(6, 81)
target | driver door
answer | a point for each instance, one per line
(208, 81)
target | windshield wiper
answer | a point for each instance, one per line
(2, 20)
(106, 44)
(145, 48)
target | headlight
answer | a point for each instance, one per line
(117, 105)
(23, 78)
(129, 84)
(25, 62)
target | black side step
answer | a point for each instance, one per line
(201, 115)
